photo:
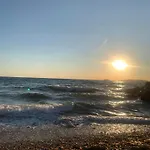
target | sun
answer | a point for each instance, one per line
(119, 64)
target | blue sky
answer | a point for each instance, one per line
(70, 39)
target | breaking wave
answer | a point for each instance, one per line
(30, 114)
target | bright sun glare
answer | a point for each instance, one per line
(119, 64)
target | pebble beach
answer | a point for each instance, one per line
(102, 137)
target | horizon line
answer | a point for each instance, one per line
(1, 76)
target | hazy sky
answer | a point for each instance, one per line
(72, 38)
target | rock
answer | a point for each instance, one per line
(145, 93)
(140, 92)
(145, 96)
(133, 93)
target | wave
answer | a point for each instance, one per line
(116, 108)
(35, 97)
(68, 114)
(88, 108)
(30, 114)
(71, 121)
(121, 120)
(83, 108)
(57, 88)
(68, 89)
(94, 97)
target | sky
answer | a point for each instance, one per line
(74, 38)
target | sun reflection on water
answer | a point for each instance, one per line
(116, 103)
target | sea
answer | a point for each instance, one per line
(70, 103)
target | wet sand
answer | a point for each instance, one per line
(106, 136)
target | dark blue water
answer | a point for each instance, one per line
(33, 101)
